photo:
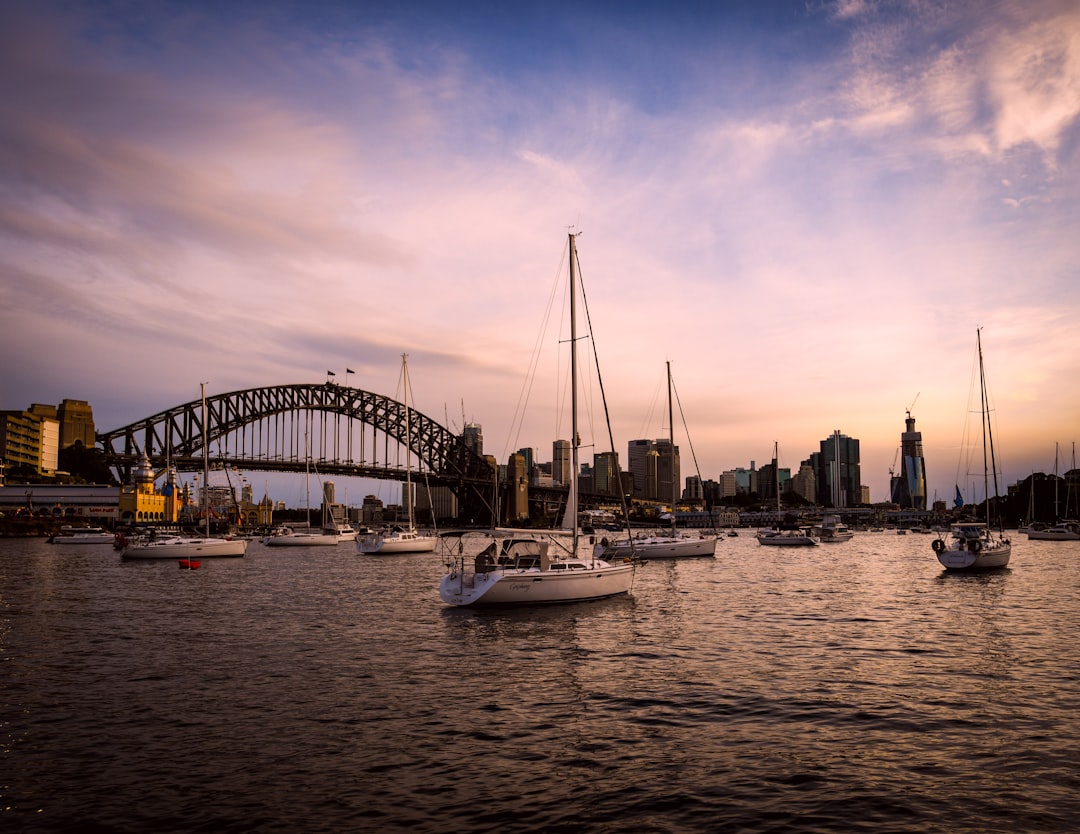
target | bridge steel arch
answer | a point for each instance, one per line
(272, 428)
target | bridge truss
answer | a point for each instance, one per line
(334, 428)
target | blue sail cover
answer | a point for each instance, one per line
(958, 501)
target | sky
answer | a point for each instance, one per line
(807, 208)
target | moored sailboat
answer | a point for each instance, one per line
(400, 539)
(517, 569)
(974, 545)
(662, 545)
(188, 547)
(776, 536)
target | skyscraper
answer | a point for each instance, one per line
(560, 462)
(838, 471)
(909, 484)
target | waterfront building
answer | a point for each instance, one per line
(606, 479)
(804, 483)
(745, 480)
(768, 477)
(50, 437)
(909, 484)
(20, 439)
(560, 462)
(642, 456)
(141, 503)
(517, 495)
(90, 503)
(838, 471)
(695, 490)
(637, 453)
(76, 424)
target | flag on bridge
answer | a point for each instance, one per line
(350, 371)
(958, 501)
(330, 373)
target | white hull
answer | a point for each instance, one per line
(92, 538)
(533, 586)
(972, 547)
(302, 540)
(964, 559)
(659, 547)
(1058, 533)
(185, 548)
(773, 539)
(826, 536)
(396, 543)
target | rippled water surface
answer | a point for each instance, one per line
(853, 687)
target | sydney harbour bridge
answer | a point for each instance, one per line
(335, 429)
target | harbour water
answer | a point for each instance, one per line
(852, 687)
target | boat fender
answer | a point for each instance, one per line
(604, 542)
(939, 545)
(974, 545)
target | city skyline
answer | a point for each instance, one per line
(807, 208)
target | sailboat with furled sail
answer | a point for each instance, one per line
(669, 544)
(188, 548)
(401, 539)
(977, 545)
(519, 568)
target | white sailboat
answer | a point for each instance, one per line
(188, 548)
(974, 545)
(286, 536)
(400, 539)
(776, 537)
(530, 569)
(669, 545)
(1063, 530)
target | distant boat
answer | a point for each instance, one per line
(832, 529)
(670, 545)
(400, 539)
(775, 537)
(186, 547)
(518, 569)
(82, 535)
(976, 546)
(284, 536)
(1067, 530)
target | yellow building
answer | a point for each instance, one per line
(141, 503)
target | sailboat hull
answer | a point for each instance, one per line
(659, 547)
(957, 559)
(301, 540)
(185, 548)
(535, 586)
(395, 543)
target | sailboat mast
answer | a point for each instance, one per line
(988, 433)
(671, 442)
(575, 440)
(408, 442)
(206, 462)
(776, 473)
